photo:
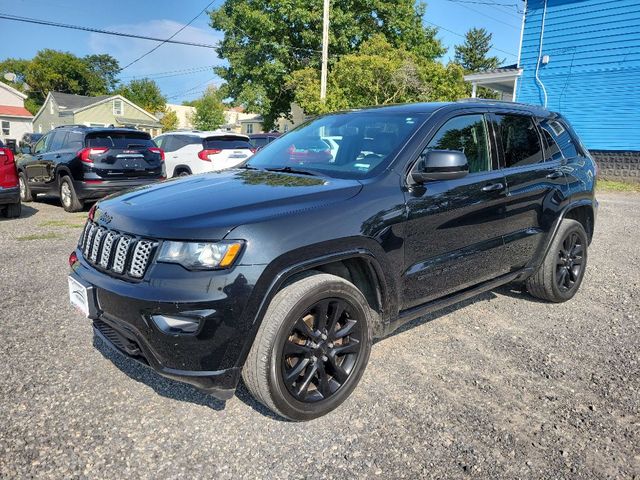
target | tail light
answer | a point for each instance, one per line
(8, 172)
(73, 259)
(86, 153)
(92, 212)
(253, 150)
(204, 154)
(159, 151)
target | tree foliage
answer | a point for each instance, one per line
(52, 70)
(266, 41)
(472, 55)
(378, 74)
(209, 114)
(145, 93)
(169, 120)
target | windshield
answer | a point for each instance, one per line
(344, 145)
(119, 140)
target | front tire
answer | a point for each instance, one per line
(561, 273)
(68, 197)
(312, 347)
(26, 195)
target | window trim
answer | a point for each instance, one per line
(8, 128)
(113, 105)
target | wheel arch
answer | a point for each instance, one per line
(181, 167)
(62, 171)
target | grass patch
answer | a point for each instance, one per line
(60, 223)
(39, 236)
(613, 186)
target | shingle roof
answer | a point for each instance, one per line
(14, 111)
(74, 102)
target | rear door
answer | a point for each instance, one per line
(226, 151)
(535, 184)
(52, 156)
(453, 233)
(33, 164)
(124, 155)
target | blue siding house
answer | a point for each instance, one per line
(582, 58)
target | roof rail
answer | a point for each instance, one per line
(491, 100)
(73, 125)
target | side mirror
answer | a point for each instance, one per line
(440, 165)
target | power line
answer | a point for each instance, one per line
(506, 7)
(462, 36)
(489, 16)
(171, 73)
(191, 89)
(105, 32)
(165, 41)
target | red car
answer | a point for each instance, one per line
(9, 189)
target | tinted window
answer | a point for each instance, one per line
(467, 134)
(176, 142)
(552, 150)
(74, 141)
(561, 136)
(160, 141)
(43, 144)
(119, 140)
(369, 142)
(222, 143)
(57, 141)
(520, 140)
(259, 142)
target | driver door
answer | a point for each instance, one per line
(454, 227)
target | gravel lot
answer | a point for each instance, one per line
(501, 386)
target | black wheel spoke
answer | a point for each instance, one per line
(302, 328)
(339, 374)
(336, 313)
(352, 347)
(346, 329)
(296, 350)
(324, 387)
(321, 316)
(562, 276)
(293, 374)
(306, 380)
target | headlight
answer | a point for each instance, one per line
(200, 255)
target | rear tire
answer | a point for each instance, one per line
(561, 273)
(68, 197)
(312, 347)
(13, 210)
(26, 195)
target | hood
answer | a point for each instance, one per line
(208, 206)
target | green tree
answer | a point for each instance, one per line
(145, 93)
(209, 114)
(169, 120)
(376, 75)
(265, 41)
(472, 55)
(52, 70)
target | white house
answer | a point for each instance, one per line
(15, 120)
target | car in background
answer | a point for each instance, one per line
(9, 191)
(193, 151)
(261, 140)
(79, 163)
(28, 139)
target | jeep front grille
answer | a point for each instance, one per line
(115, 252)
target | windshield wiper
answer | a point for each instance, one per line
(292, 170)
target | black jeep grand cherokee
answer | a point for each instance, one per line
(81, 163)
(284, 270)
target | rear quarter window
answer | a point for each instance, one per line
(225, 143)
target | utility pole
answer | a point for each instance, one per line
(325, 50)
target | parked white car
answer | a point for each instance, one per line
(192, 151)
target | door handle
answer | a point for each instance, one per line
(493, 187)
(58, 155)
(555, 174)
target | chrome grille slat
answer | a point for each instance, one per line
(120, 259)
(141, 254)
(106, 249)
(115, 252)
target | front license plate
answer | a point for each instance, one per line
(78, 296)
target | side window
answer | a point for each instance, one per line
(169, 143)
(42, 144)
(75, 141)
(552, 150)
(520, 140)
(562, 137)
(57, 141)
(467, 134)
(160, 141)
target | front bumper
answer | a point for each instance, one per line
(92, 191)
(9, 195)
(211, 358)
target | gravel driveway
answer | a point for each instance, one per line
(501, 386)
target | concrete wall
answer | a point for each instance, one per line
(621, 166)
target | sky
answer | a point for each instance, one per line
(184, 72)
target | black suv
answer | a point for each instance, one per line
(81, 163)
(284, 270)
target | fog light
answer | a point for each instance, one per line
(176, 324)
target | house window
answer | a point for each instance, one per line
(51, 107)
(39, 128)
(249, 127)
(118, 107)
(5, 127)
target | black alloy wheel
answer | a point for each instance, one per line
(570, 262)
(321, 350)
